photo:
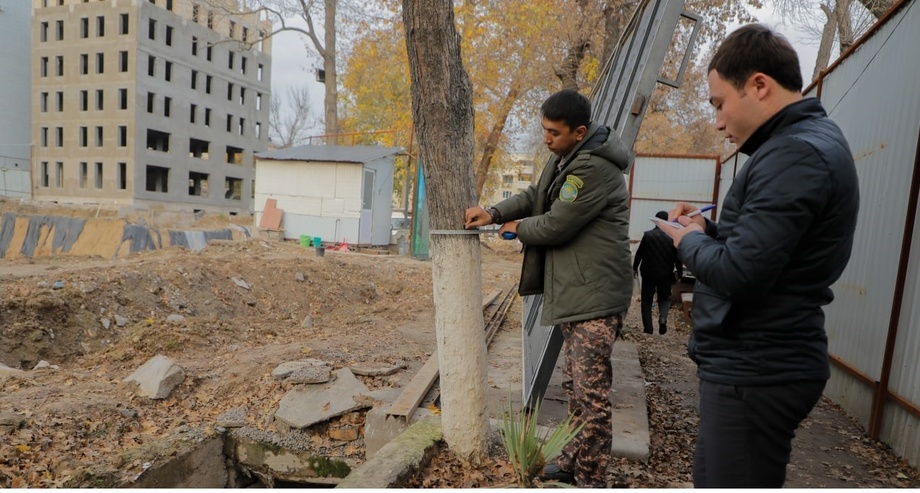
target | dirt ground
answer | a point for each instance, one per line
(80, 425)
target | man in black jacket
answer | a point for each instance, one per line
(764, 272)
(657, 258)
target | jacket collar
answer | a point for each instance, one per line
(790, 115)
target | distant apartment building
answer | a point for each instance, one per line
(515, 175)
(15, 109)
(141, 103)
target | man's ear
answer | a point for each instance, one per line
(580, 132)
(761, 84)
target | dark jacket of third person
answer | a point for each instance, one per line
(656, 257)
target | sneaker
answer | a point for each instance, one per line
(552, 472)
(662, 329)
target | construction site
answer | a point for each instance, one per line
(263, 344)
(162, 347)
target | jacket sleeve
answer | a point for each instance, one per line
(639, 254)
(565, 219)
(786, 188)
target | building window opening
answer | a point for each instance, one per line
(157, 140)
(98, 177)
(84, 173)
(157, 179)
(198, 148)
(233, 188)
(122, 176)
(197, 184)
(234, 155)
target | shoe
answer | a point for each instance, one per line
(649, 331)
(662, 329)
(552, 472)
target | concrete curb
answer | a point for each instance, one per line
(395, 461)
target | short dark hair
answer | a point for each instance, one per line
(662, 215)
(757, 48)
(567, 106)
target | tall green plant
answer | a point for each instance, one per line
(529, 446)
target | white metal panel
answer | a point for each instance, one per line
(348, 179)
(883, 139)
(674, 178)
(329, 229)
(874, 97)
(658, 182)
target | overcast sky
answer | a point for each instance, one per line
(294, 65)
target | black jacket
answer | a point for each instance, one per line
(783, 238)
(656, 256)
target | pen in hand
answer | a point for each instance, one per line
(701, 210)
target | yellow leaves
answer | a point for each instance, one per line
(434, 409)
(23, 448)
(306, 350)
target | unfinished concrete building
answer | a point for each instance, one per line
(141, 103)
(15, 117)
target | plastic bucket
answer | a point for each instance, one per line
(317, 241)
(304, 240)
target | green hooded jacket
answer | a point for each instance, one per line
(575, 231)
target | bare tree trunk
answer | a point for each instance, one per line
(442, 108)
(827, 41)
(329, 102)
(844, 24)
(494, 138)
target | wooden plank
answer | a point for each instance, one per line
(413, 393)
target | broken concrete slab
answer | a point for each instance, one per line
(310, 375)
(120, 321)
(240, 282)
(157, 377)
(287, 464)
(312, 404)
(380, 428)
(175, 319)
(285, 369)
(376, 368)
(393, 463)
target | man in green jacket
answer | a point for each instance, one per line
(574, 226)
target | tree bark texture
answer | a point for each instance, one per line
(332, 94)
(442, 109)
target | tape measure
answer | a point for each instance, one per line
(508, 235)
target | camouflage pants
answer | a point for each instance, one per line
(587, 381)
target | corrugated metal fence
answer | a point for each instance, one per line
(873, 325)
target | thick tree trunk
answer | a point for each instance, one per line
(442, 108)
(494, 138)
(332, 94)
(844, 25)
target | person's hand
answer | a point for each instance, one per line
(681, 209)
(508, 226)
(676, 234)
(477, 216)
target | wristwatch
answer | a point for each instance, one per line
(496, 216)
